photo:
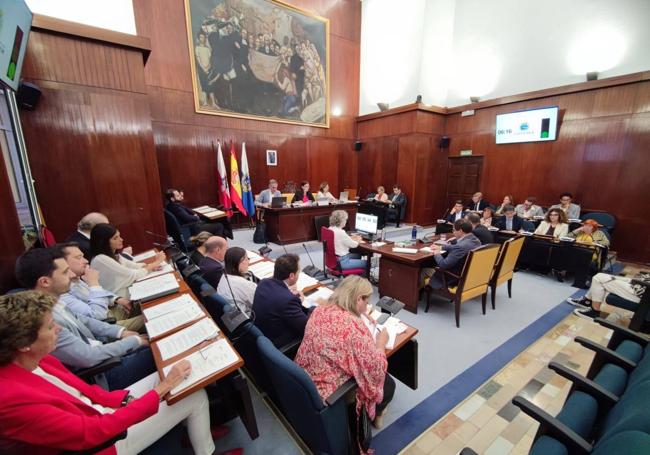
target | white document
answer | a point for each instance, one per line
(263, 269)
(163, 324)
(392, 325)
(205, 362)
(378, 244)
(177, 304)
(145, 255)
(181, 341)
(213, 213)
(154, 287)
(164, 268)
(312, 299)
(253, 256)
(203, 208)
(304, 281)
(405, 250)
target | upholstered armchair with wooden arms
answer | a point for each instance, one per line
(505, 266)
(473, 280)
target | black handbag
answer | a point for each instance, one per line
(364, 433)
(259, 236)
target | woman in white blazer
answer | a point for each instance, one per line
(555, 223)
(116, 273)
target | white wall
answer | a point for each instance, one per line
(114, 15)
(503, 47)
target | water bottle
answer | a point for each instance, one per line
(414, 233)
(383, 235)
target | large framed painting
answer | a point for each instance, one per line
(259, 59)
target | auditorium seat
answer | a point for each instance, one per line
(323, 426)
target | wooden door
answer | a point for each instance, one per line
(463, 178)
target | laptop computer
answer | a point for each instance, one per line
(278, 202)
(343, 197)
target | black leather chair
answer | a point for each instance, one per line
(323, 426)
(180, 234)
(320, 221)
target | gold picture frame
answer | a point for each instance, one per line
(259, 60)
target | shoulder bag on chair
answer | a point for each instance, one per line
(259, 236)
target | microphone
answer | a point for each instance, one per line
(312, 270)
(235, 318)
(154, 234)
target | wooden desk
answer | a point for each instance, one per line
(540, 252)
(296, 224)
(160, 364)
(399, 273)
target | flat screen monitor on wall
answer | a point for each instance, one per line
(533, 125)
(15, 23)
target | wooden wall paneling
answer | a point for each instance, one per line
(323, 164)
(377, 163)
(10, 235)
(349, 162)
(90, 141)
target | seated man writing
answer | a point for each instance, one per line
(457, 250)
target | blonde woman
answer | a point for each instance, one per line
(343, 242)
(338, 346)
(198, 242)
(381, 195)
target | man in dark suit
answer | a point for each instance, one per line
(477, 204)
(397, 207)
(454, 260)
(509, 221)
(277, 305)
(212, 263)
(82, 235)
(187, 217)
(456, 213)
(480, 231)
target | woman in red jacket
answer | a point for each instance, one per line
(46, 409)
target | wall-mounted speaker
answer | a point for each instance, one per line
(357, 146)
(444, 142)
(28, 95)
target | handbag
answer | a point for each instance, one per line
(259, 236)
(364, 434)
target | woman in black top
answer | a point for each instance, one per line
(303, 194)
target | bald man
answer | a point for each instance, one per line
(82, 235)
(212, 263)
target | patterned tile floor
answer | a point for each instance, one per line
(488, 422)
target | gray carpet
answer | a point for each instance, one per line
(444, 350)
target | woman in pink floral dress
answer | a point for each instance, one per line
(338, 345)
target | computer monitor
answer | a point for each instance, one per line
(366, 223)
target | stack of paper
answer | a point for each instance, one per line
(164, 268)
(145, 255)
(205, 362)
(169, 320)
(263, 269)
(203, 209)
(153, 288)
(304, 281)
(214, 213)
(179, 303)
(312, 299)
(253, 256)
(392, 325)
(181, 341)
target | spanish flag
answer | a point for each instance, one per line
(235, 186)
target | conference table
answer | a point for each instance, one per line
(296, 224)
(545, 253)
(241, 399)
(399, 273)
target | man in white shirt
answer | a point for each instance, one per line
(265, 197)
(528, 209)
(79, 342)
(87, 298)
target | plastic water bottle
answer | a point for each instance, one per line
(383, 235)
(414, 233)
